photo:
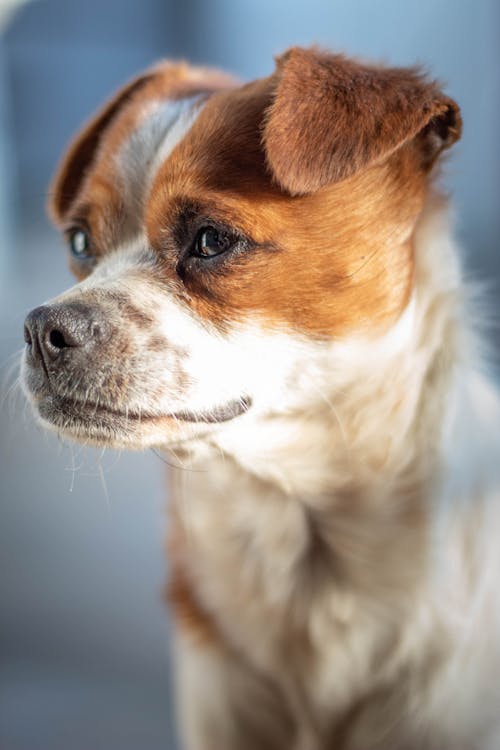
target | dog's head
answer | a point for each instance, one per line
(223, 236)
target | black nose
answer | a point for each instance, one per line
(52, 329)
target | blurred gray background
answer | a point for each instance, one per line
(83, 631)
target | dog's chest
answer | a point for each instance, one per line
(249, 556)
(242, 543)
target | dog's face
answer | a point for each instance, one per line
(223, 237)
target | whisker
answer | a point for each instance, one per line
(179, 465)
(100, 470)
(335, 413)
(73, 468)
(165, 461)
(11, 365)
(371, 256)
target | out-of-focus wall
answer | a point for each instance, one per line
(82, 626)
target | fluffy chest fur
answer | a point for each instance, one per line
(371, 607)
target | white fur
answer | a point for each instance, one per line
(162, 124)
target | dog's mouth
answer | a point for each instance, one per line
(223, 413)
(53, 404)
(102, 424)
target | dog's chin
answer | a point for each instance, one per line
(99, 425)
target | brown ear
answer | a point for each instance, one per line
(332, 117)
(80, 155)
(164, 80)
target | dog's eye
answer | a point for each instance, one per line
(79, 244)
(209, 242)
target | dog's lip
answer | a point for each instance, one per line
(220, 413)
(224, 413)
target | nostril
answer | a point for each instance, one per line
(95, 330)
(57, 340)
(27, 336)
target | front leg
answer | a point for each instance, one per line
(224, 705)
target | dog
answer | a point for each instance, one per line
(269, 288)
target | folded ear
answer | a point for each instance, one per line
(80, 155)
(332, 117)
(165, 80)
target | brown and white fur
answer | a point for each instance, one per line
(333, 543)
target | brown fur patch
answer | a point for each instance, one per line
(325, 263)
(190, 615)
(180, 593)
(157, 344)
(136, 315)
